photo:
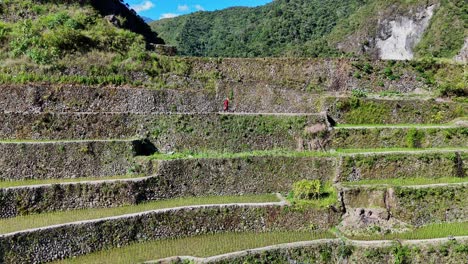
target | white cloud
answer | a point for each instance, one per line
(199, 8)
(143, 6)
(183, 8)
(168, 15)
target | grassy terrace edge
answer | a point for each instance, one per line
(407, 181)
(31, 183)
(439, 230)
(20, 223)
(289, 153)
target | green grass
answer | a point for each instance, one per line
(393, 125)
(407, 181)
(44, 141)
(425, 232)
(199, 246)
(41, 220)
(9, 184)
(285, 153)
(377, 150)
(230, 155)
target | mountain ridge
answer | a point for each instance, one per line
(312, 28)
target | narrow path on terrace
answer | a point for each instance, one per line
(404, 126)
(398, 151)
(172, 113)
(65, 141)
(303, 244)
(32, 223)
(421, 186)
(27, 184)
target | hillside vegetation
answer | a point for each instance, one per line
(88, 42)
(310, 28)
(63, 38)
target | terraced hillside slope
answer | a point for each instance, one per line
(392, 29)
(138, 173)
(124, 156)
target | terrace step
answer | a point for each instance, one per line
(345, 109)
(220, 174)
(301, 251)
(232, 132)
(22, 160)
(32, 197)
(172, 132)
(43, 221)
(25, 160)
(69, 239)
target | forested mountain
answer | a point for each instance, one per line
(317, 28)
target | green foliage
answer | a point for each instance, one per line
(359, 93)
(414, 138)
(309, 28)
(4, 31)
(401, 254)
(281, 28)
(307, 189)
(408, 181)
(312, 193)
(56, 30)
(446, 32)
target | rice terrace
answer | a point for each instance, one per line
(285, 131)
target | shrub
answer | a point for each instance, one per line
(307, 189)
(446, 89)
(401, 254)
(4, 30)
(359, 93)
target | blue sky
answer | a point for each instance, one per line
(157, 9)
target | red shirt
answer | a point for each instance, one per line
(226, 104)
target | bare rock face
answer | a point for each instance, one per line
(367, 221)
(463, 55)
(113, 20)
(399, 36)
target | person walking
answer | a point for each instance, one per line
(226, 104)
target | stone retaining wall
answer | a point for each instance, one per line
(21, 161)
(44, 98)
(239, 175)
(77, 239)
(173, 179)
(61, 197)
